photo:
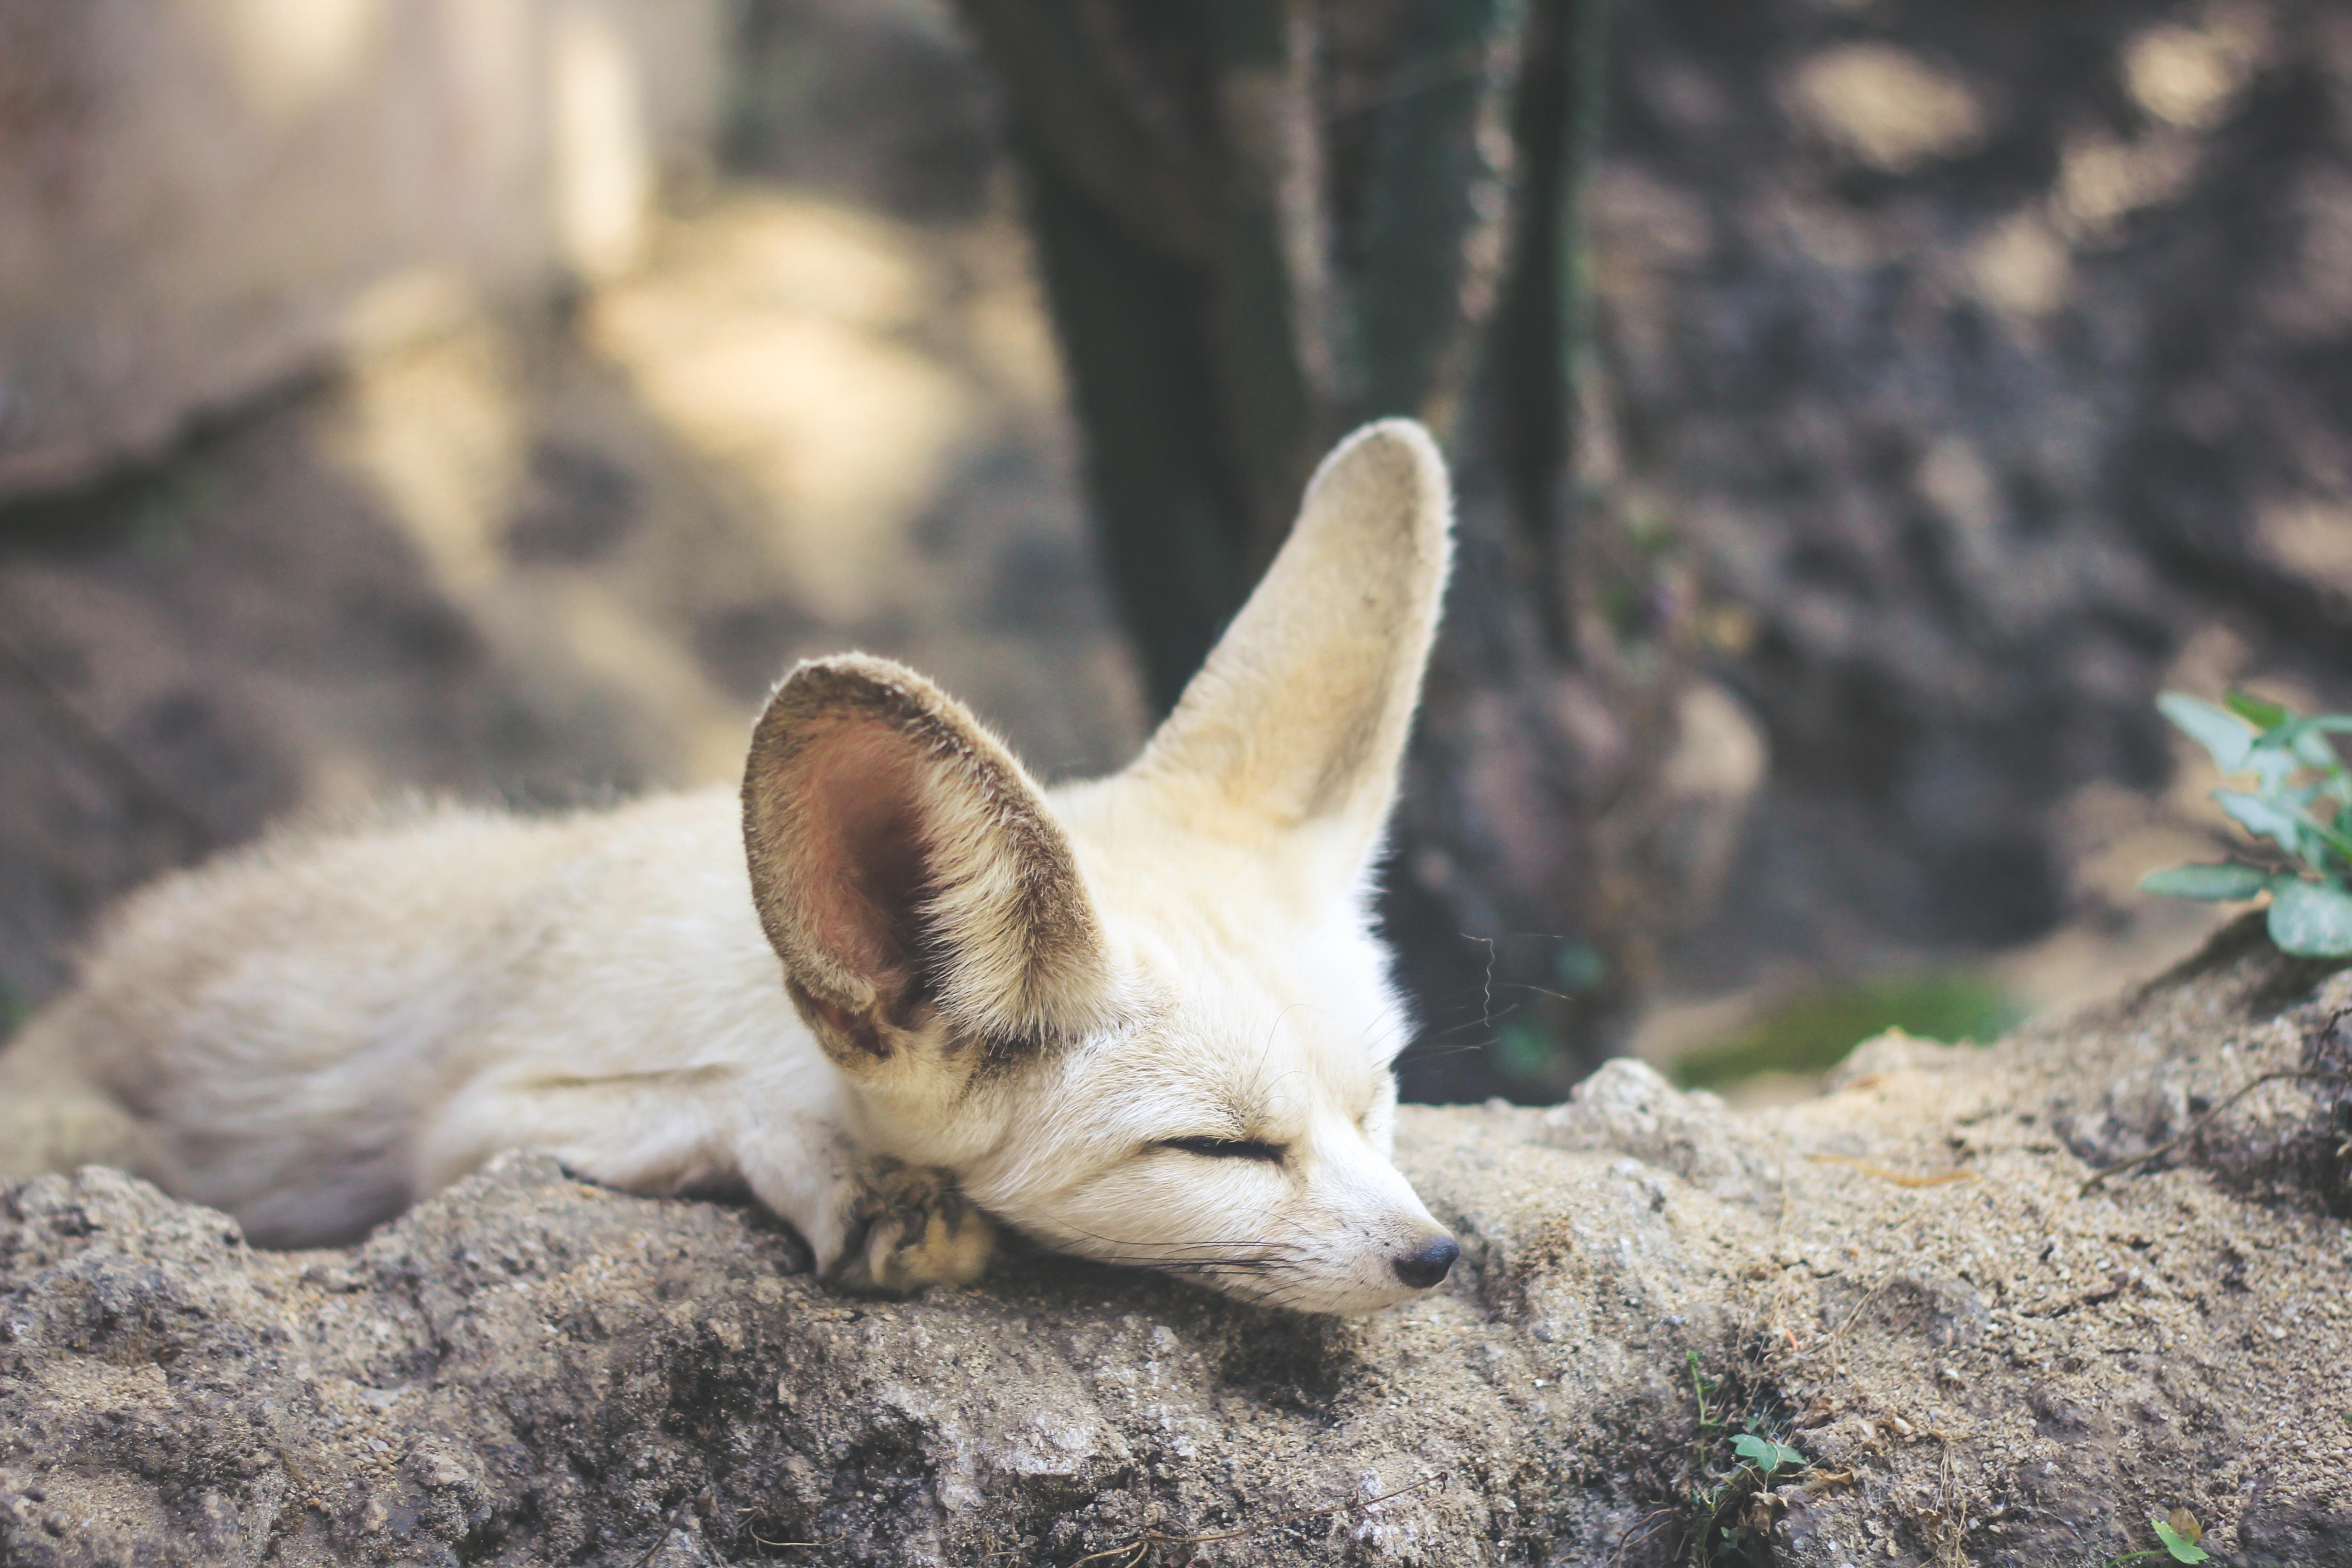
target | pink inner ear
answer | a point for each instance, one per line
(861, 857)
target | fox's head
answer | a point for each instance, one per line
(1143, 1018)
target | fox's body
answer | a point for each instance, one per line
(314, 1062)
(1142, 1018)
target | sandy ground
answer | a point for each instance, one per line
(1975, 1356)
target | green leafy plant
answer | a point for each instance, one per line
(2180, 1533)
(1767, 1454)
(1732, 1509)
(2301, 801)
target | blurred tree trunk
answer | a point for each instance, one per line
(1263, 222)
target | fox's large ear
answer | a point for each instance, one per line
(904, 864)
(1297, 721)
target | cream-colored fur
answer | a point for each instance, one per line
(1142, 1018)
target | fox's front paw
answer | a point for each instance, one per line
(919, 1229)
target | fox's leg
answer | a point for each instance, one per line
(807, 1173)
(870, 1224)
(660, 1132)
(920, 1230)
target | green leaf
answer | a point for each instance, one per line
(2213, 883)
(2293, 731)
(2270, 769)
(2183, 1550)
(2266, 820)
(2261, 715)
(2314, 750)
(2304, 740)
(2311, 919)
(2280, 814)
(1766, 1454)
(2221, 732)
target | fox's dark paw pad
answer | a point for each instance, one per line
(920, 1230)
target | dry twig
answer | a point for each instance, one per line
(2198, 1126)
(1900, 1178)
(668, 1529)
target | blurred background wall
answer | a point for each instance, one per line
(493, 397)
(204, 199)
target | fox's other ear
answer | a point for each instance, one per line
(903, 861)
(1298, 718)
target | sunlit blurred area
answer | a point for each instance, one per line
(495, 397)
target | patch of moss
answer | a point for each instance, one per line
(1812, 1032)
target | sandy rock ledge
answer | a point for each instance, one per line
(1993, 1368)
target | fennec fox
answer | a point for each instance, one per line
(1142, 1018)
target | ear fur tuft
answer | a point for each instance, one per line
(902, 860)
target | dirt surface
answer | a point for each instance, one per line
(1992, 1367)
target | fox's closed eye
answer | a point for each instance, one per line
(1228, 1148)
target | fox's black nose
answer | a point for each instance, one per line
(1426, 1267)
